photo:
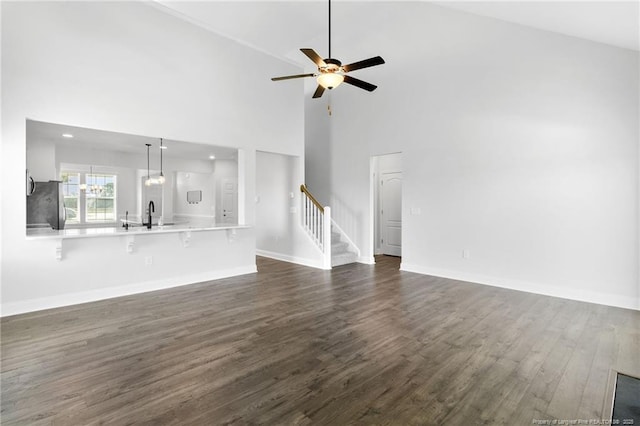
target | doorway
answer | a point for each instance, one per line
(387, 205)
(229, 200)
(277, 205)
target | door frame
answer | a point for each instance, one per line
(374, 176)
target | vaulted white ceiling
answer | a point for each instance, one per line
(609, 22)
(280, 28)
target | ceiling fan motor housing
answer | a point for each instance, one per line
(333, 66)
(330, 61)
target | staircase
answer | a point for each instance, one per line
(341, 253)
(334, 244)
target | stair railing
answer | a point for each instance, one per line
(316, 220)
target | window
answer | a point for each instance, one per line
(71, 191)
(89, 197)
(100, 201)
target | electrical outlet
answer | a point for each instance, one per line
(148, 260)
(466, 254)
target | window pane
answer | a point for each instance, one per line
(100, 198)
(108, 189)
(71, 202)
(72, 190)
(72, 212)
(70, 183)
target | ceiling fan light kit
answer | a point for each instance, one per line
(330, 80)
(331, 73)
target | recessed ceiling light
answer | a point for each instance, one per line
(67, 135)
(212, 157)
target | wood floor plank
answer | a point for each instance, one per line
(361, 344)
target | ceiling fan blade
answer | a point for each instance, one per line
(319, 91)
(359, 83)
(288, 77)
(311, 54)
(376, 60)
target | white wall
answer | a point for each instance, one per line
(318, 164)
(279, 234)
(130, 68)
(190, 181)
(518, 145)
(41, 161)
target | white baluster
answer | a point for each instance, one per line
(315, 222)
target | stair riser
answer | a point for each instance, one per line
(343, 259)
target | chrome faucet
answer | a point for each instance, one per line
(152, 208)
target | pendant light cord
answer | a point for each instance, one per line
(148, 174)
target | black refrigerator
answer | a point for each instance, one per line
(45, 206)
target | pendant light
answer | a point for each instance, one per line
(92, 187)
(161, 178)
(148, 181)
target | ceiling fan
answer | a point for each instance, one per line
(331, 72)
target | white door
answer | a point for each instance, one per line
(391, 213)
(230, 200)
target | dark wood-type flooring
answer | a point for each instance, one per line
(293, 345)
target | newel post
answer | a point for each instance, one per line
(326, 237)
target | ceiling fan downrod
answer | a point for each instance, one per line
(329, 28)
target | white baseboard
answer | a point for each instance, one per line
(529, 287)
(291, 259)
(367, 260)
(15, 308)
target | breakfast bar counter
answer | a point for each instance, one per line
(114, 231)
(183, 231)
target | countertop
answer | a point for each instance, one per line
(115, 231)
